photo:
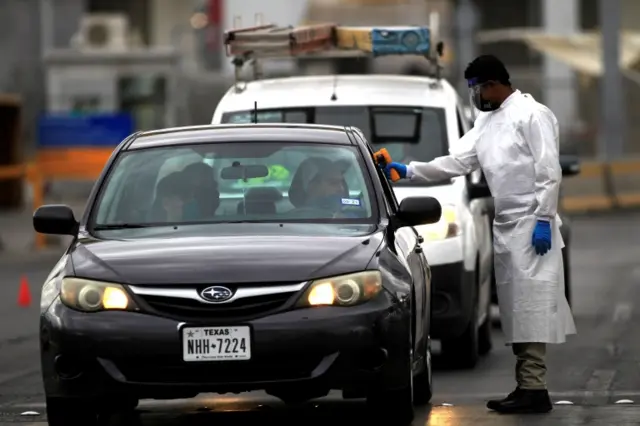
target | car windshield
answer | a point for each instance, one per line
(408, 133)
(236, 182)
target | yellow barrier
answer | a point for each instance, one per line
(607, 176)
(57, 164)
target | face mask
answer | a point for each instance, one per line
(475, 95)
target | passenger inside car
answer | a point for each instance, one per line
(169, 202)
(202, 194)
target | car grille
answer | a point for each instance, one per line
(187, 308)
(172, 372)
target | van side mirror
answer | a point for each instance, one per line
(570, 165)
(414, 211)
(479, 190)
(55, 219)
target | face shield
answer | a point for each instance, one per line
(476, 99)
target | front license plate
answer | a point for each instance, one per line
(216, 343)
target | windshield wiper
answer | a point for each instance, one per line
(120, 226)
(237, 221)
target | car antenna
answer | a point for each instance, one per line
(334, 94)
(255, 113)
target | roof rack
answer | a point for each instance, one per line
(249, 45)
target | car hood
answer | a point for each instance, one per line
(222, 260)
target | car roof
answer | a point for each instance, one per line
(224, 133)
(374, 89)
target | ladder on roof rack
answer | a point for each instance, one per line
(327, 40)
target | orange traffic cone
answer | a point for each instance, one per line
(24, 294)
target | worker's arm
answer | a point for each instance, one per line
(541, 135)
(461, 161)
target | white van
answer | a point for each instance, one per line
(415, 118)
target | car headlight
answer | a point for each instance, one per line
(343, 290)
(93, 296)
(447, 227)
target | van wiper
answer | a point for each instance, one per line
(120, 226)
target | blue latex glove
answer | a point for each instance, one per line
(541, 240)
(399, 167)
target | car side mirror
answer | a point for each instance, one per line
(479, 190)
(570, 165)
(414, 211)
(55, 219)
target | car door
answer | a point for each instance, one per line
(482, 226)
(409, 249)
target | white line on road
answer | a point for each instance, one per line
(17, 375)
(622, 312)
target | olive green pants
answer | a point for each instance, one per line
(531, 367)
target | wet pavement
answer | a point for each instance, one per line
(589, 375)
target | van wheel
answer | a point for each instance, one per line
(463, 351)
(485, 338)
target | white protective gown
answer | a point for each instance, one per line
(517, 148)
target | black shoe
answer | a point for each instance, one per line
(496, 402)
(523, 401)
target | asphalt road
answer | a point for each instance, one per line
(597, 368)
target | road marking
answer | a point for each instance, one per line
(622, 312)
(599, 381)
(18, 375)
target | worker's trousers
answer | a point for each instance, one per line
(531, 367)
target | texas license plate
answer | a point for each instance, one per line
(216, 343)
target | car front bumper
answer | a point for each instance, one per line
(305, 351)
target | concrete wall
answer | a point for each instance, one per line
(20, 67)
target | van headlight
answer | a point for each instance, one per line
(343, 290)
(93, 296)
(447, 227)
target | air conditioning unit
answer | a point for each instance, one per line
(103, 31)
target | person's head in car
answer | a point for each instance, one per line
(203, 197)
(326, 187)
(170, 195)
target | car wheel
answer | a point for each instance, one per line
(422, 384)
(395, 405)
(70, 411)
(567, 274)
(485, 337)
(463, 351)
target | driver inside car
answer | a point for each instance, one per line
(327, 190)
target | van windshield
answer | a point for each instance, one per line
(409, 133)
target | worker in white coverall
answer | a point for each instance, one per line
(515, 142)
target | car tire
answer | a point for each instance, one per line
(463, 351)
(70, 411)
(395, 405)
(423, 382)
(567, 274)
(485, 336)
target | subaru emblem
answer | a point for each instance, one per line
(216, 294)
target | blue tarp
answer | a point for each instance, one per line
(88, 130)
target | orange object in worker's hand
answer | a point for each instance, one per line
(383, 158)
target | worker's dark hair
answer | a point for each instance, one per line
(487, 68)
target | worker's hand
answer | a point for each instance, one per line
(541, 240)
(398, 167)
